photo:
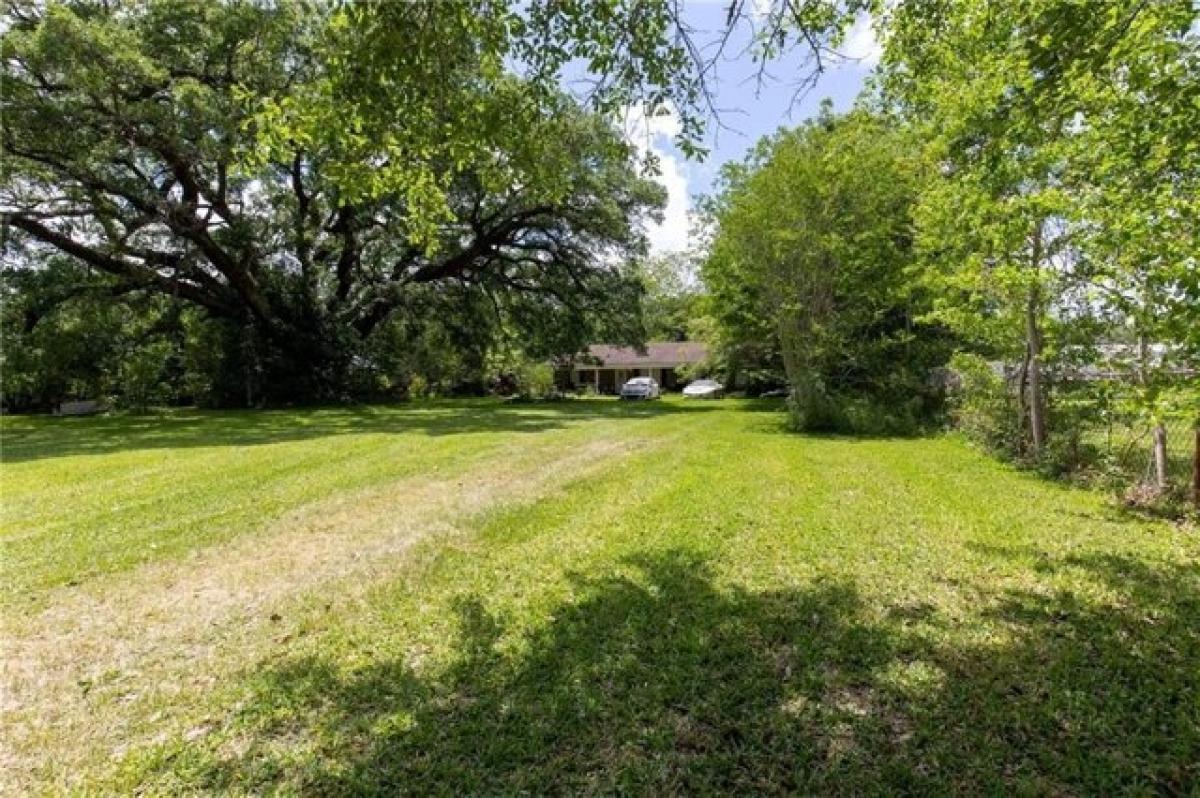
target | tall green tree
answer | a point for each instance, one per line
(672, 298)
(133, 142)
(1065, 132)
(1137, 102)
(814, 239)
(448, 65)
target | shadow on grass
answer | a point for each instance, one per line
(35, 438)
(663, 682)
(776, 419)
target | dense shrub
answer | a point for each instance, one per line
(981, 405)
(1100, 430)
(537, 380)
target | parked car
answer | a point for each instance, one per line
(641, 388)
(704, 389)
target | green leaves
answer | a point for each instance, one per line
(415, 94)
(813, 246)
(1064, 213)
(302, 173)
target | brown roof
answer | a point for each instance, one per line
(663, 353)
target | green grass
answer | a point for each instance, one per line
(85, 497)
(733, 609)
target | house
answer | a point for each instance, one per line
(606, 368)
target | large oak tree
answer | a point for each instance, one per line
(134, 141)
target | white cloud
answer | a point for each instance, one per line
(652, 136)
(761, 9)
(862, 44)
(672, 232)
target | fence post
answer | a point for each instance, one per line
(1196, 468)
(1160, 456)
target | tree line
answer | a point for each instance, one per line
(1019, 185)
(241, 202)
(235, 203)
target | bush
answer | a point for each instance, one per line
(687, 372)
(985, 408)
(982, 407)
(812, 409)
(419, 387)
(859, 415)
(536, 380)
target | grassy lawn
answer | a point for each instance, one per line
(470, 597)
(85, 497)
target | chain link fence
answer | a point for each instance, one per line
(1146, 456)
(1105, 428)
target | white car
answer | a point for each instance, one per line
(641, 388)
(704, 389)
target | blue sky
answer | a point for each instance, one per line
(748, 112)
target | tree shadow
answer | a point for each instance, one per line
(775, 418)
(665, 682)
(28, 438)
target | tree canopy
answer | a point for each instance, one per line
(814, 247)
(133, 143)
(1064, 210)
(449, 66)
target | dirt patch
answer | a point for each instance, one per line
(84, 677)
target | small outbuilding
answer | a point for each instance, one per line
(606, 368)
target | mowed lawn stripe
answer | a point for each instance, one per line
(742, 610)
(82, 508)
(132, 641)
(726, 608)
(183, 503)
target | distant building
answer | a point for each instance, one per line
(606, 368)
(1106, 363)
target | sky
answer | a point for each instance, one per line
(748, 111)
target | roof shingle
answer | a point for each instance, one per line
(662, 353)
